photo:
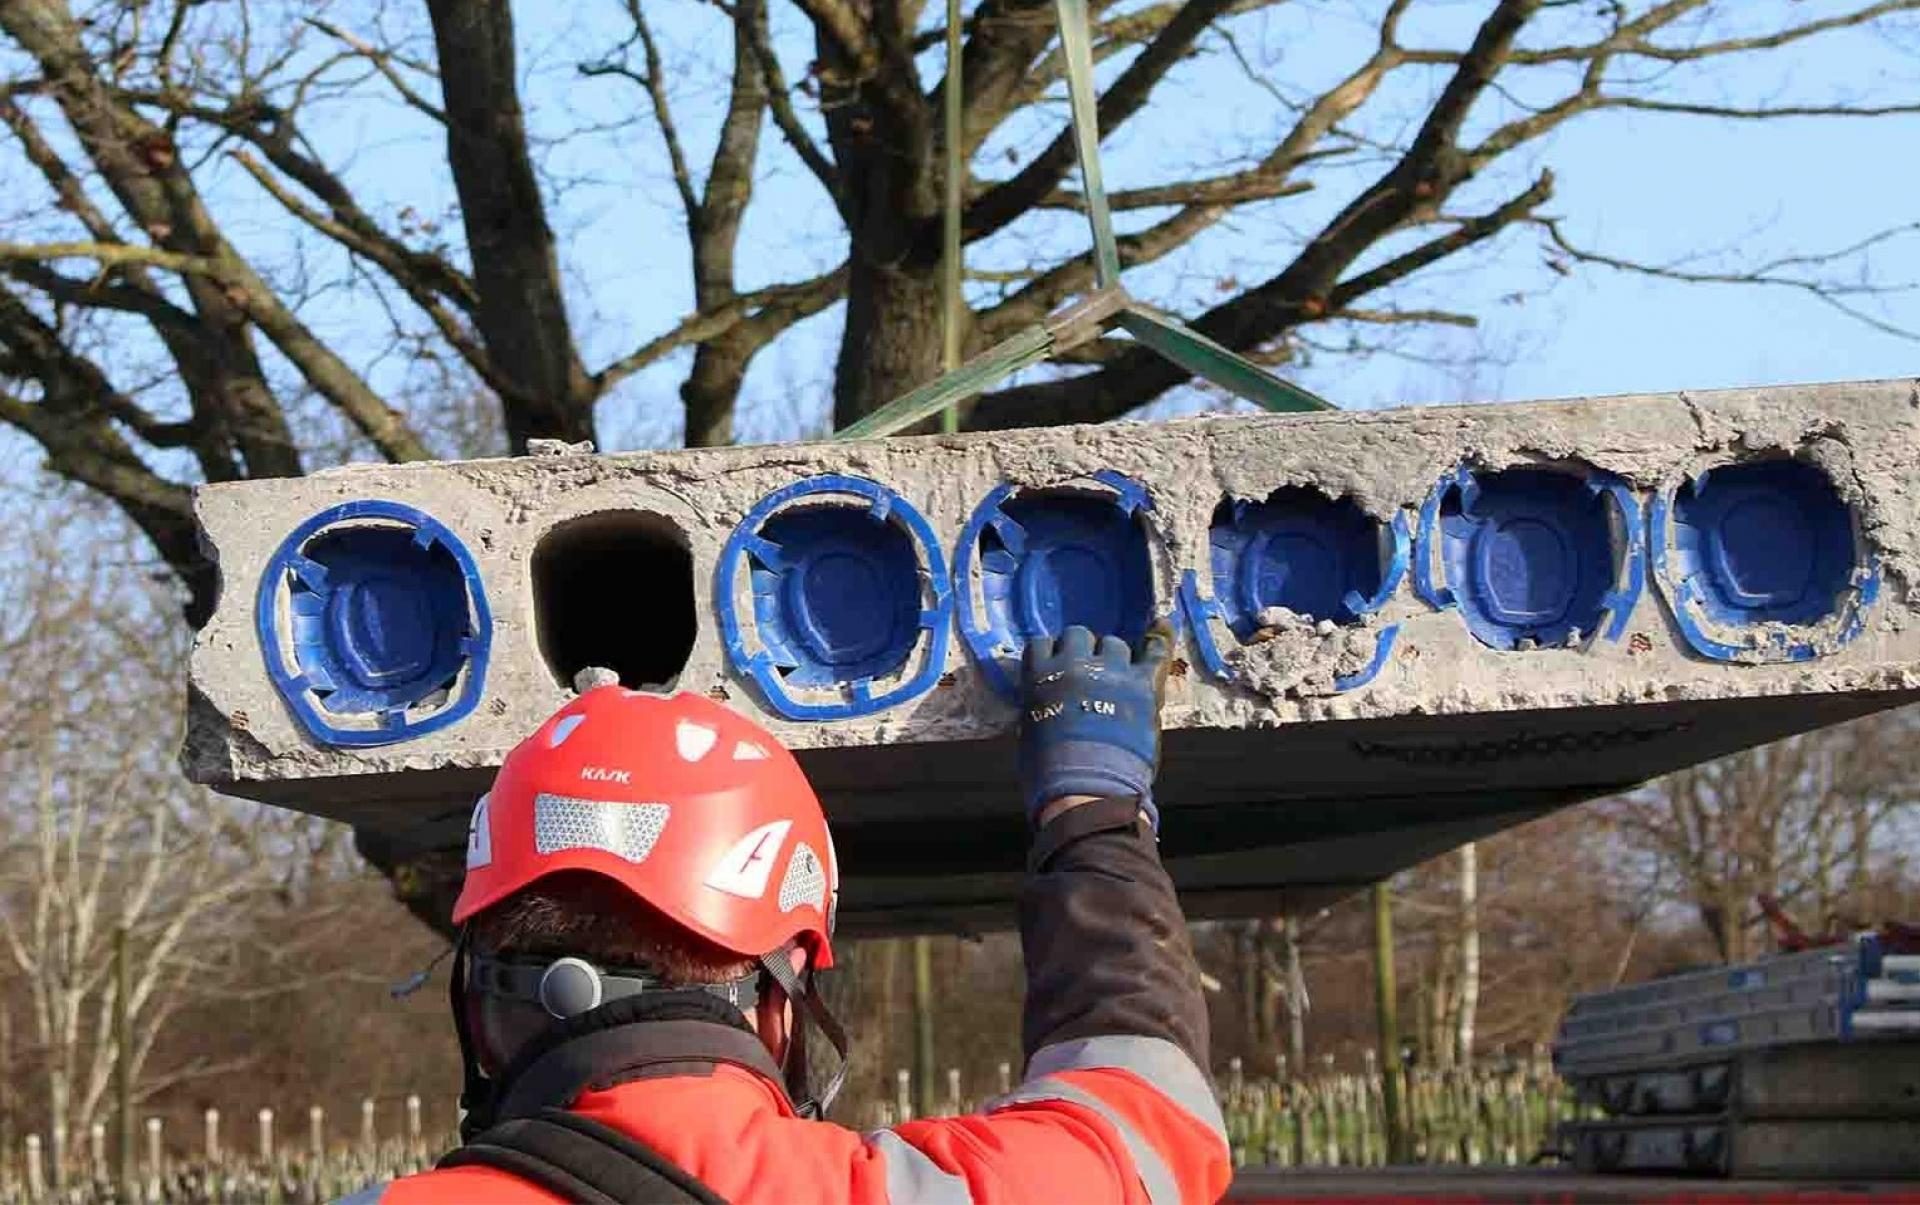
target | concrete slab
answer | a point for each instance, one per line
(1444, 620)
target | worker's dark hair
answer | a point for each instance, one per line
(585, 916)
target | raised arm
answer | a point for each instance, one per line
(1116, 1104)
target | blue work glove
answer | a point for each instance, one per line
(1090, 722)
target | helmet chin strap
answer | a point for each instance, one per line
(477, 1095)
(807, 1006)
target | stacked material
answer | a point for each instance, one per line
(1804, 1064)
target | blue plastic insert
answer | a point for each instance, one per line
(383, 610)
(1529, 554)
(1299, 550)
(837, 596)
(1050, 560)
(1303, 551)
(1766, 542)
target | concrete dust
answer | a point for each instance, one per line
(1291, 655)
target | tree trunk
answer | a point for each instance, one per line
(1433, 1001)
(1246, 944)
(1387, 1004)
(123, 1060)
(925, 1099)
(892, 341)
(883, 135)
(1714, 917)
(710, 392)
(1266, 985)
(522, 313)
(58, 1102)
(1469, 953)
(1296, 999)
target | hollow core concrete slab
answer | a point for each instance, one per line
(1399, 630)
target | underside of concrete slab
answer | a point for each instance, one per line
(1400, 630)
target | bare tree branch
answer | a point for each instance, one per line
(522, 313)
(780, 103)
(387, 64)
(1000, 205)
(1784, 272)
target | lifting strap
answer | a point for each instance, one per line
(582, 1160)
(1107, 305)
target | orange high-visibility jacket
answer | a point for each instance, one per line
(1115, 1107)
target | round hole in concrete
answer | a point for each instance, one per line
(1051, 560)
(837, 591)
(1529, 554)
(615, 590)
(1768, 541)
(1297, 549)
(383, 620)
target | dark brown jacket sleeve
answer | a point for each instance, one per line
(1106, 944)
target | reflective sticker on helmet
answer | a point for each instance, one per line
(748, 751)
(626, 830)
(479, 836)
(806, 881)
(744, 869)
(694, 740)
(564, 729)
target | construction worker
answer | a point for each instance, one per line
(650, 891)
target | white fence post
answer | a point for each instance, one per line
(1006, 1078)
(413, 1120)
(212, 1137)
(368, 1139)
(97, 1150)
(903, 1094)
(317, 1130)
(266, 1135)
(153, 1149)
(61, 1154)
(36, 1174)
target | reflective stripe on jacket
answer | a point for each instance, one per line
(1115, 1107)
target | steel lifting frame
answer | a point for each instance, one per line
(1106, 307)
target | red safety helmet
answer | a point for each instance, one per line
(692, 808)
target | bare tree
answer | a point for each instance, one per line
(102, 835)
(156, 331)
(1802, 819)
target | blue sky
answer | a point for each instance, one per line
(1714, 194)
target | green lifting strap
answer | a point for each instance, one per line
(984, 371)
(952, 253)
(1226, 368)
(1081, 322)
(1076, 44)
(1107, 306)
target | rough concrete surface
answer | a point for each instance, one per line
(1459, 737)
